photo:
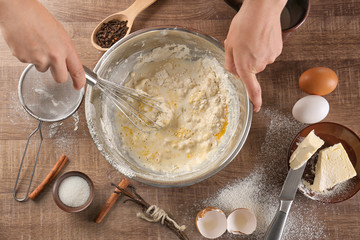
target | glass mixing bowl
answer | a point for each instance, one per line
(120, 60)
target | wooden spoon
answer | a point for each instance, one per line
(127, 15)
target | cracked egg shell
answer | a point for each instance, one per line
(241, 221)
(211, 222)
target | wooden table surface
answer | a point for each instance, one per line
(329, 37)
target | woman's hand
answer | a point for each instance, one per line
(35, 36)
(254, 40)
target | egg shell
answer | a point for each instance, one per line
(241, 221)
(311, 109)
(211, 222)
(318, 81)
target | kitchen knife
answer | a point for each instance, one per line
(286, 198)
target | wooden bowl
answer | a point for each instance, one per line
(331, 133)
(56, 197)
(292, 17)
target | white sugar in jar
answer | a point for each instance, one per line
(74, 191)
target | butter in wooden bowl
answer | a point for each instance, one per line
(332, 170)
(333, 167)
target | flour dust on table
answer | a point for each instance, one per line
(260, 189)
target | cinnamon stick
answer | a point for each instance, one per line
(111, 201)
(50, 177)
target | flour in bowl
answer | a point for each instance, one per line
(198, 93)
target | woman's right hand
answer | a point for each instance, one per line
(254, 40)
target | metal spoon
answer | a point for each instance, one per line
(128, 14)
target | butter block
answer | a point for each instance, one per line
(333, 167)
(305, 150)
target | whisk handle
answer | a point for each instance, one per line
(91, 77)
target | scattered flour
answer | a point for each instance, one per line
(60, 132)
(249, 192)
(76, 121)
(259, 191)
(338, 192)
(53, 128)
(17, 111)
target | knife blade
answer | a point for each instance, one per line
(286, 198)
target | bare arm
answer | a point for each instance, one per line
(35, 36)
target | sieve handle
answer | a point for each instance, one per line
(91, 77)
(22, 161)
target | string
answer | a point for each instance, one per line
(158, 215)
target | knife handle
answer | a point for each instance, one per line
(276, 228)
(277, 225)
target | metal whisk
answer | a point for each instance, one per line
(130, 102)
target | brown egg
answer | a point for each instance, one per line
(318, 81)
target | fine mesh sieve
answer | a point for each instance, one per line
(46, 101)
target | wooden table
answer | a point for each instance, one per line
(329, 37)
